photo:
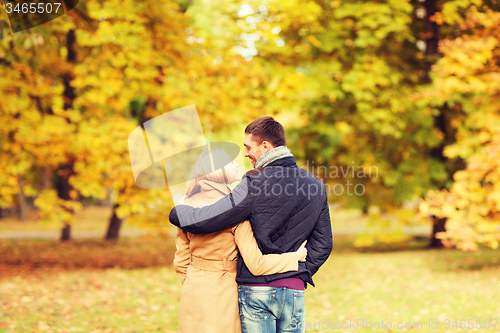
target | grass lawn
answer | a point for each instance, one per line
(141, 292)
(113, 300)
(410, 286)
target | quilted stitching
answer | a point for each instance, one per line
(280, 221)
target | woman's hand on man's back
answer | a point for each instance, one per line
(302, 252)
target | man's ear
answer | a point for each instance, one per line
(267, 146)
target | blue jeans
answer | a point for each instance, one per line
(271, 310)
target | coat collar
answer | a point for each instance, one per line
(272, 155)
(287, 162)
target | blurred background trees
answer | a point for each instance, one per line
(466, 80)
(408, 89)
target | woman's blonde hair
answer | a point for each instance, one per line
(204, 169)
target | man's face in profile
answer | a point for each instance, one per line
(254, 150)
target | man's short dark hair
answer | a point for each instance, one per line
(267, 129)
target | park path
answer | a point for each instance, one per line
(416, 231)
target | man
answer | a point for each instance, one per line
(286, 205)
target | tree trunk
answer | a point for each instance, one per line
(66, 233)
(115, 224)
(431, 53)
(21, 200)
(63, 191)
(66, 170)
(69, 92)
(46, 178)
(432, 37)
(438, 225)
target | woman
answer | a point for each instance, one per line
(206, 264)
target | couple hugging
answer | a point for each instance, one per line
(245, 255)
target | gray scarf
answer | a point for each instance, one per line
(272, 155)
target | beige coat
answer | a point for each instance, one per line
(206, 265)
